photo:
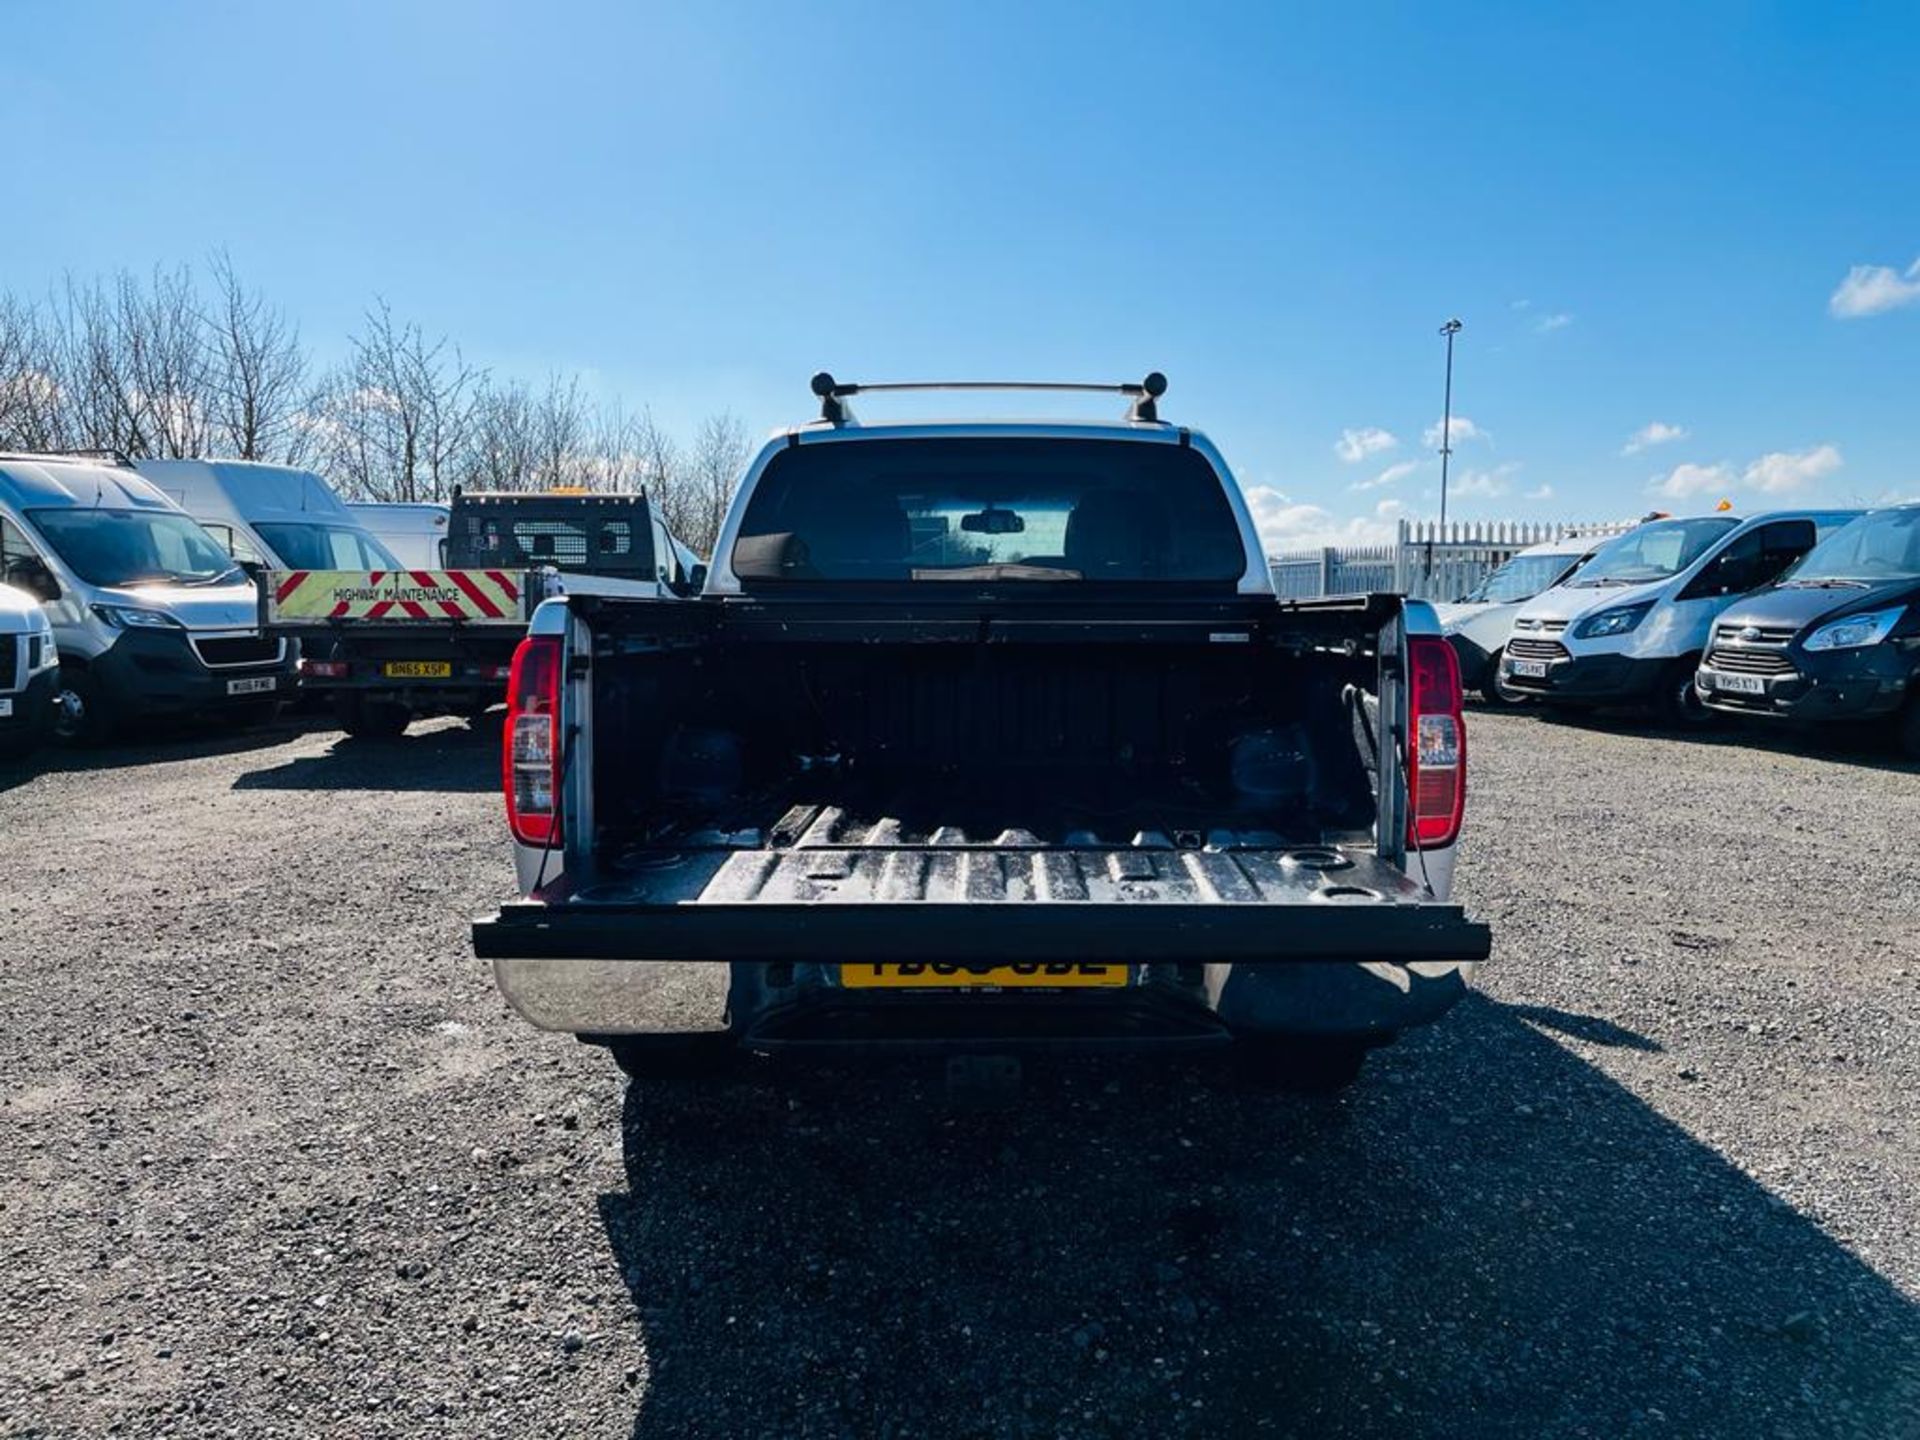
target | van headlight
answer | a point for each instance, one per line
(132, 617)
(1856, 630)
(1617, 621)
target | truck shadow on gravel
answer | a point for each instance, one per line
(1487, 1236)
(450, 759)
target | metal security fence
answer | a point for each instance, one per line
(1428, 561)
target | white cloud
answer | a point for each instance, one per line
(1461, 429)
(1392, 475)
(1286, 524)
(1655, 432)
(1356, 445)
(1484, 484)
(1783, 470)
(1547, 324)
(1685, 481)
(1541, 491)
(1521, 304)
(1874, 290)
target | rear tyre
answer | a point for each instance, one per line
(1494, 692)
(1298, 1064)
(1677, 701)
(367, 717)
(82, 714)
(673, 1057)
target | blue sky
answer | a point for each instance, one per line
(1646, 216)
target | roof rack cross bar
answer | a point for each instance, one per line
(1144, 393)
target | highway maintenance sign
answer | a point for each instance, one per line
(475, 596)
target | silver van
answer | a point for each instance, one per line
(273, 515)
(151, 615)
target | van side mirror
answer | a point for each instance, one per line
(30, 573)
(696, 579)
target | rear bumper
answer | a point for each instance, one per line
(338, 659)
(1589, 679)
(1860, 684)
(1167, 1008)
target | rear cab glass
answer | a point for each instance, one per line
(579, 537)
(1062, 511)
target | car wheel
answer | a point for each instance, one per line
(82, 714)
(366, 717)
(1495, 691)
(1678, 701)
(1298, 1064)
(673, 1057)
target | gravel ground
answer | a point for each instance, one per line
(275, 1160)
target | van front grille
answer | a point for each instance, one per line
(1763, 634)
(1522, 648)
(222, 651)
(1748, 662)
(9, 662)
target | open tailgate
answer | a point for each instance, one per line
(879, 903)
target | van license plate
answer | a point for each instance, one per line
(950, 975)
(6, 706)
(1740, 684)
(1531, 669)
(418, 669)
(258, 685)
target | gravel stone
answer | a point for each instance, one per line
(1522, 1222)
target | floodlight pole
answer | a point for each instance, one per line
(1450, 329)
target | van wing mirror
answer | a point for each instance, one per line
(30, 573)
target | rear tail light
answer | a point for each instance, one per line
(530, 762)
(324, 669)
(1437, 763)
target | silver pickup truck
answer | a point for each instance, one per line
(981, 737)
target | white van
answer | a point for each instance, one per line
(416, 533)
(1478, 623)
(29, 670)
(150, 614)
(272, 515)
(1629, 628)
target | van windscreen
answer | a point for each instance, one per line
(133, 547)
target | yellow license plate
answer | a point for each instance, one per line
(418, 669)
(946, 975)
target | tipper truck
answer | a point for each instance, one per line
(393, 646)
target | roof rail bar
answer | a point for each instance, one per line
(90, 452)
(1144, 393)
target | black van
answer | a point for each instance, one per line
(1837, 638)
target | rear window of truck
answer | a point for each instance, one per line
(1039, 510)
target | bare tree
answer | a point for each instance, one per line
(398, 414)
(720, 450)
(257, 373)
(32, 409)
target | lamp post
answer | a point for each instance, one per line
(1452, 328)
